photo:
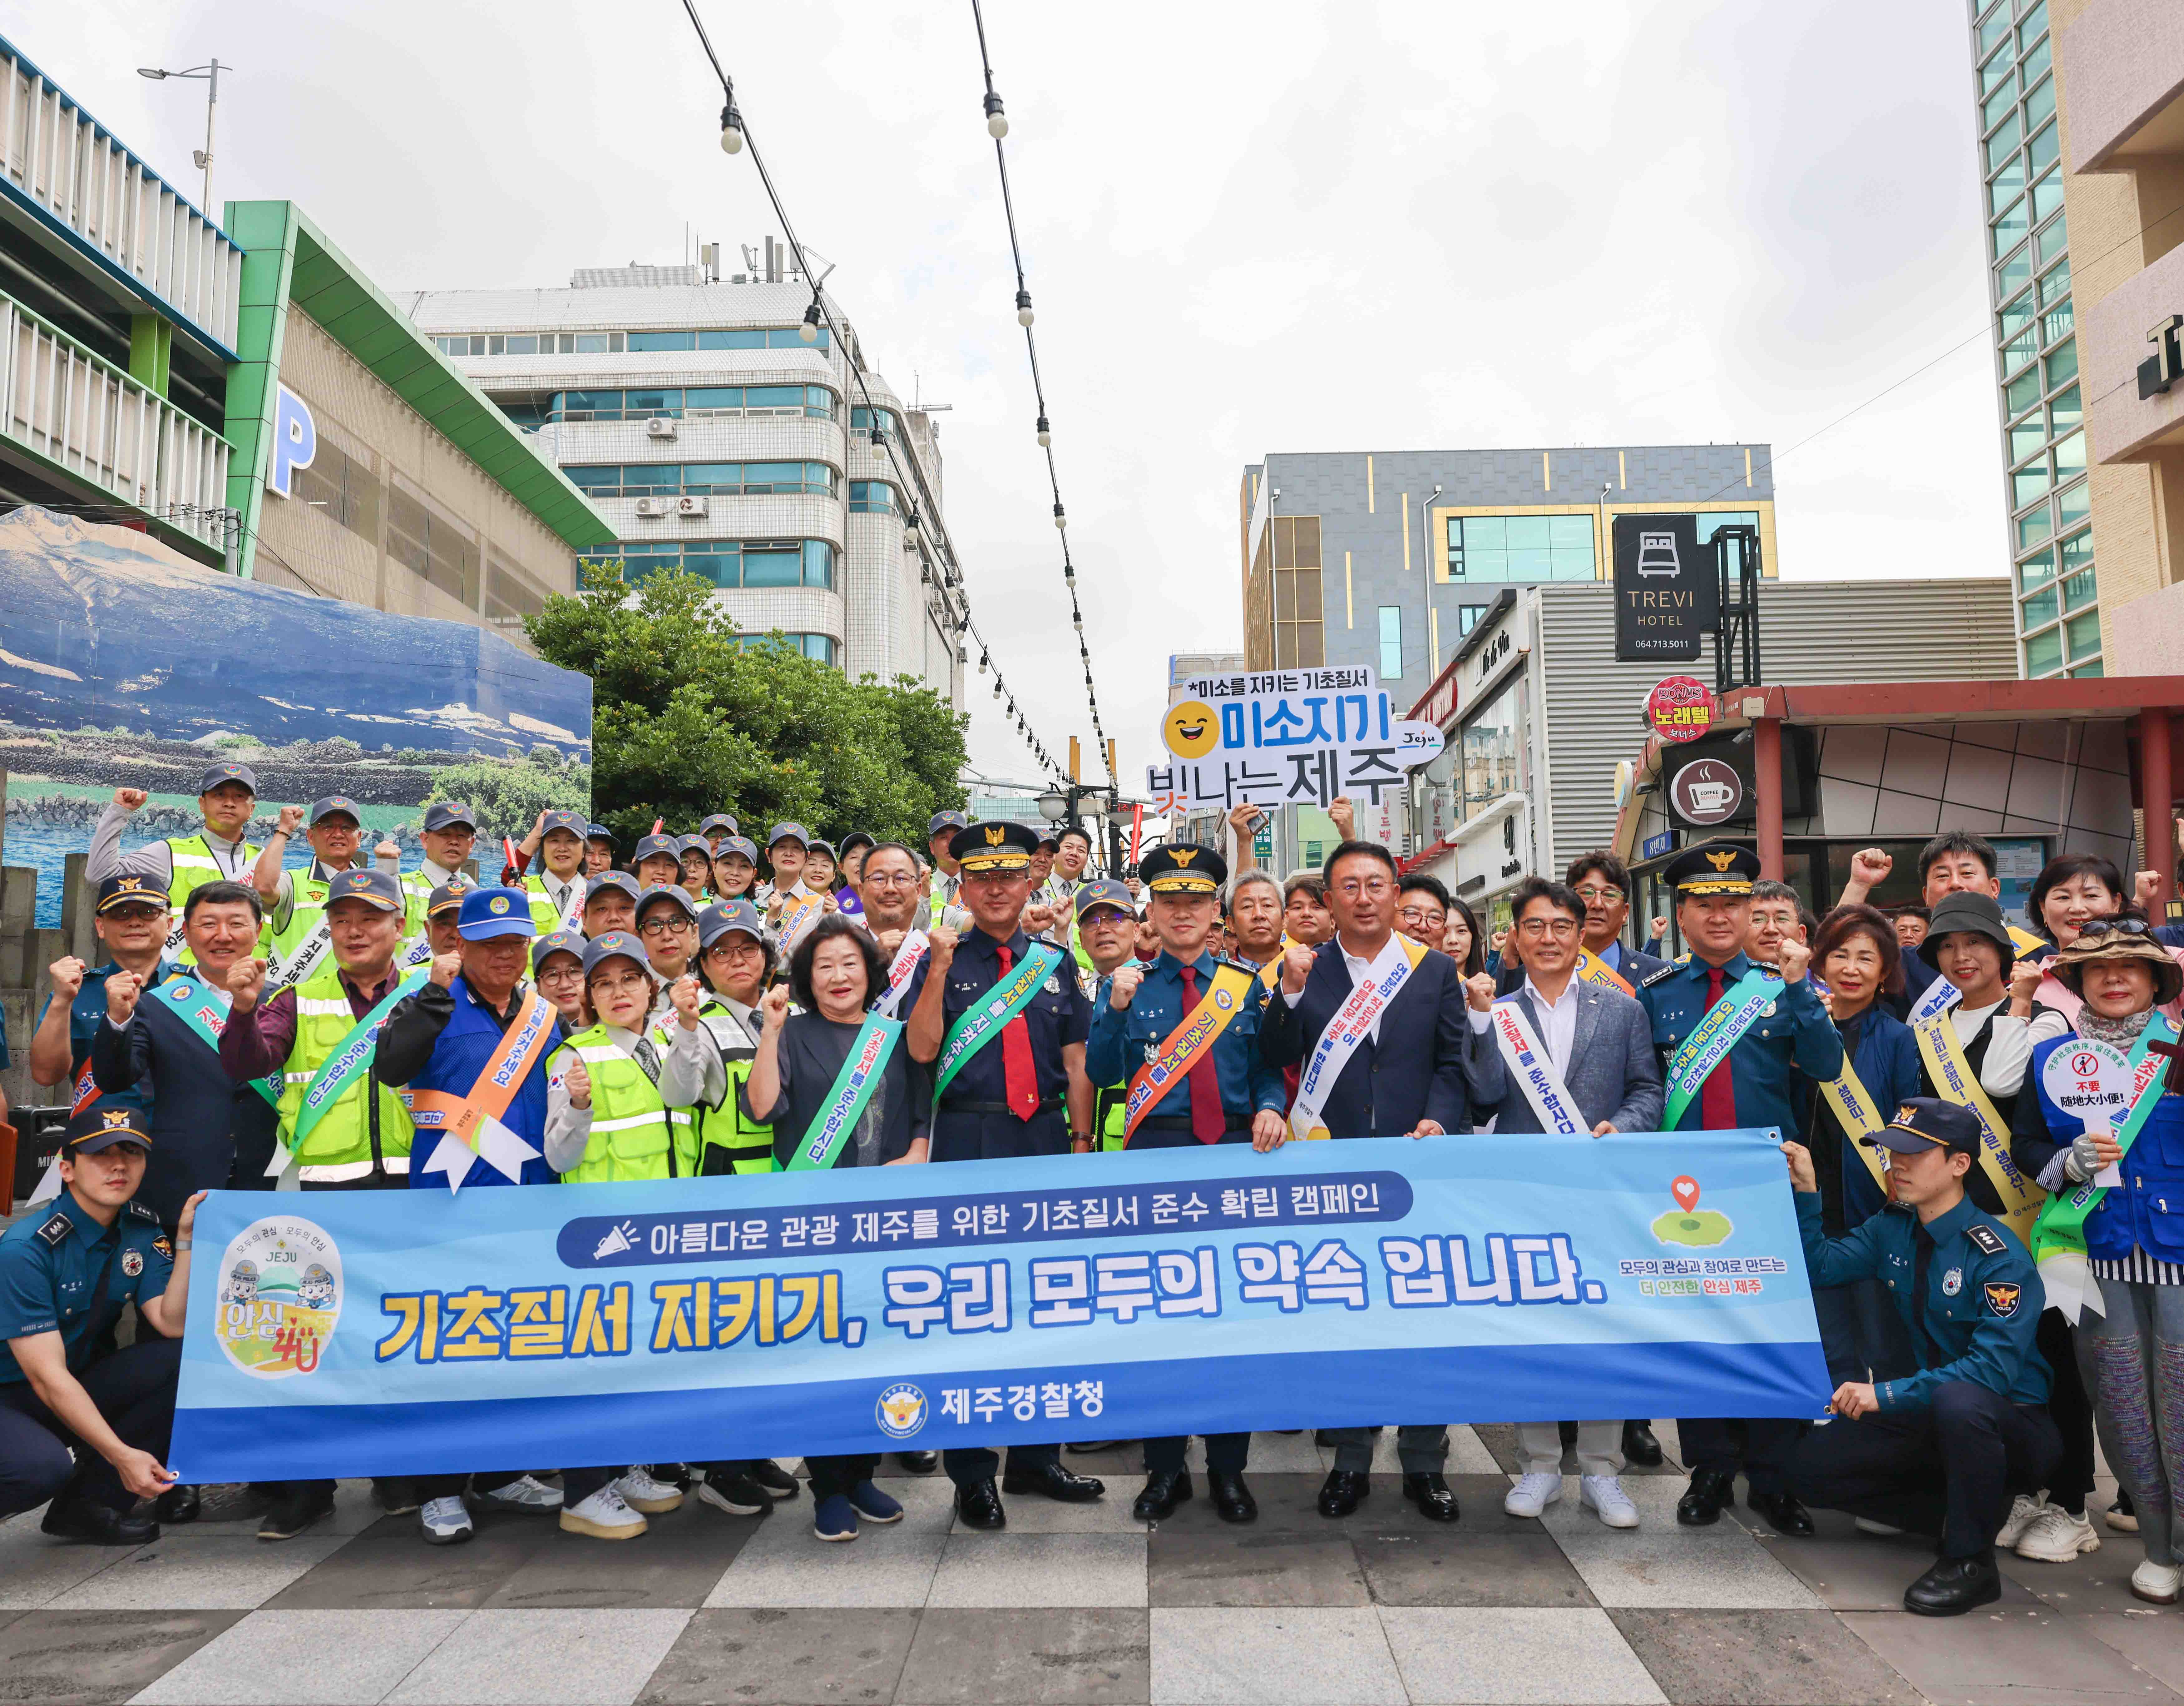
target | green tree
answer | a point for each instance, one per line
(508, 796)
(688, 717)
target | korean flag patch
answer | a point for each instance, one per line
(2003, 1299)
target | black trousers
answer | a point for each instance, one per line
(134, 1389)
(968, 1465)
(1950, 1469)
(2072, 1409)
(838, 1474)
(1225, 1453)
(1761, 1445)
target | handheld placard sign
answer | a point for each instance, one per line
(2092, 1081)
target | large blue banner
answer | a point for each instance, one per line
(1170, 1291)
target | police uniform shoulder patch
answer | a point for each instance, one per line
(2003, 1298)
(56, 1231)
(1667, 971)
(163, 1245)
(143, 1214)
(1985, 1238)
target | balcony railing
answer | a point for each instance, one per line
(71, 406)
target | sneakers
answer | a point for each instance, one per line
(1867, 1525)
(525, 1493)
(836, 1518)
(873, 1505)
(2057, 1536)
(1604, 1496)
(2120, 1516)
(603, 1516)
(776, 1480)
(2024, 1511)
(444, 1521)
(729, 1489)
(639, 1490)
(1532, 1494)
(2157, 1583)
(297, 1507)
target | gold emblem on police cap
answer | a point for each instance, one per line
(1182, 855)
(115, 1117)
(1721, 862)
(1904, 1114)
(995, 834)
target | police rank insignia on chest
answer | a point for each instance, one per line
(1985, 1239)
(2003, 1298)
(1152, 1053)
(1053, 985)
(132, 1263)
(1953, 1282)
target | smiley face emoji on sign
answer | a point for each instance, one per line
(1191, 729)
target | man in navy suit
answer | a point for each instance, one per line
(1421, 1065)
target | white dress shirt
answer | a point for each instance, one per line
(1361, 969)
(1557, 1019)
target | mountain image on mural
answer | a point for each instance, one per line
(123, 663)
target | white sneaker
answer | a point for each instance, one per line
(603, 1516)
(445, 1521)
(2158, 1582)
(2056, 1536)
(640, 1492)
(2024, 1511)
(1604, 1496)
(525, 1493)
(1866, 1525)
(1532, 1494)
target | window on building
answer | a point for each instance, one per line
(1487, 549)
(860, 421)
(1391, 642)
(1489, 741)
(871, 497)
(819, 648)
(509, 594)
(726, 563)
(468, 344)
(340, 482)
(1468, 616)
(1299, 628)
(703, 402)
(429, 540)
(702, 479)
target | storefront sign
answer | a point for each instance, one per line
(1654, 846)
(295, 442)
(1706, 791)
(1271, 738)
(1681, 708)
(1667, 593)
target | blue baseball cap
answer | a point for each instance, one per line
(449, 814)
(326, 808)
(612, 879)
(697, 844)
(221, 773)
(665, 891)
(623, 942)
(599, 832)
(658, 847)
(1106, 891)
(490, 913)
(716, 921)
(573, 822)
(787, 832)
(719, 820)
(736, 844)
(948, 821)
(556, 942)
(381, 888)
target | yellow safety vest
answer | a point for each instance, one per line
(193, 867)
(308, 904)
(745, 1144)
(635, 1136)
(545, 916)
(369, 1122)
(417, 887)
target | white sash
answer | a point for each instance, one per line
(1941, 995)
(1352, 1023)
(1533, 1071)
(310, 953)
(901, 970)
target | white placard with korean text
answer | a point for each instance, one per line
(1275, 738)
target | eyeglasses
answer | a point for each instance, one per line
(1373, 886)
(562, 974)
(1590, 892)
(669, 926)
(2122, 927)
(1547, 926)
(138, 914)
(890, 880)
(1422, 916)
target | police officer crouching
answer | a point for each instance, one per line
(1220, 1092)
(64, 1278)
(1944, 1449)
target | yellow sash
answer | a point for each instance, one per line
(2027, 942)
(1859, 1116)
(1271, 973)
(1955, 1081)
(1223, 1000)
(1595, 970)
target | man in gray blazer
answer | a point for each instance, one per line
(1601, 1046)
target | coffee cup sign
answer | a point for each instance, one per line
(1706, 791)
(2090, 1081)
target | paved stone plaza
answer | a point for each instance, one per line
(1074, 1604)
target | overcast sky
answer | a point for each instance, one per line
(1270, 227)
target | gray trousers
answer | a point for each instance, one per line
(1421, 1450)
(2133, 1360)
(1598, 1450)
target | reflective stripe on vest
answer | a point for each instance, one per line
(746, 1146)
(343, 1138)
(634, 1134)
(193, 866)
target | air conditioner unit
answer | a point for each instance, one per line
(655, 506)
(691, 506)
(663, 426)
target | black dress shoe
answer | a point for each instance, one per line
(776, 1480)
(1232, 1499)
(1953, 1586)
(979, 1506)
(919, 1462)
(1783, 1514)
(301, 1503)
(178, 1504)
(1711, 1492)
(1162, 1494)
(1431, 1495)
(80, 1518)
(1324, 1436)
(1055, 1482)
(1639, 1447)
(1343, 1491)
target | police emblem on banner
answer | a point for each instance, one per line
(901, 1411)
(280, 1297)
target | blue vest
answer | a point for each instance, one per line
(2148, 1208)
(469, 1041)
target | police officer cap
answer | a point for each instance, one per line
(999, 846)
(381, 889)
(449, 814)
(119, 891)
(1964, 912)
(615, 943)
(787, 832)
(1713, 867)
(326, 808)
(612, 879)
(736, 844)
(716, 921)
(719, 820)
(946, 820)
(1169, 869)
(669, 892)
(220, 774)
(1106, 891)
(573, 822)
(448, 895)
(659, 846)
(1927, 1121)
(599, 832)
(555, 942)
(490, 913)
(854, 840)
(102, 1127)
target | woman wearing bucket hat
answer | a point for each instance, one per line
(2116, 1226)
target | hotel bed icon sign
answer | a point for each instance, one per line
(1706, 791)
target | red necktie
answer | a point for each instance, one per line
(1208, 1122)
(1717, 1094)
(1020, 1081)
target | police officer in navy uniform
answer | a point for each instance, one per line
(1228, 1094)
(1008, 1098)
(65, 1271)
(1753, 1087)
(1943, 1450)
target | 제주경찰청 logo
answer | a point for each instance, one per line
(279, 1297)
(901, 1411)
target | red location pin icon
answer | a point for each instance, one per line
(1686, 1190)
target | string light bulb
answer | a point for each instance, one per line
(1061, 519)
(879, 443)
(732, 130)
(997, 121)
(909, 529)
(1045, 433)
(1023, 308)
(809, 331)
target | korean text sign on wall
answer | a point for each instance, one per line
(1285, 736)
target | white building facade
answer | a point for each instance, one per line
(696, 417)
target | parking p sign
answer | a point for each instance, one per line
(295, 442)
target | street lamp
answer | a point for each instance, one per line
(1054, 805)
(202, 156)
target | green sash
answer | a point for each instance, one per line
(2061, 1228)
(1001, 1003)
(1711, 1040)
(351, 1055)
(852, 1089)
(204, 1010)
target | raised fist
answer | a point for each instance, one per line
(774, 1007)
(579, 1083)
(246, 983)
(292, 820)
(1345, 815)
(942, 949)
(2144, 887)
(687, 998)
(1296, 967)
(1122, 986)
(130, 799)
(2023, 979)
(1036, 918)
(67, 974)
(1478, 990)
(388, 848)
(1796, 960)
(122, 988)
(1870, 867)
(445, 968)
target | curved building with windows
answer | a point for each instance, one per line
(695, 415)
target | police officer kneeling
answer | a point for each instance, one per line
(64, 1278)
(1944, 1449)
